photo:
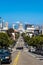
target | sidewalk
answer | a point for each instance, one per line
(40, 57)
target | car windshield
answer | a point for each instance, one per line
(3, 51)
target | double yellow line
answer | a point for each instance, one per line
(16, 59)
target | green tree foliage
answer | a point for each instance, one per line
(34, 41)
(5, 40)
(17, 35)
(10, 31)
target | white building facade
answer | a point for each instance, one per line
(21, 28)
(3, 26)
(32, 30)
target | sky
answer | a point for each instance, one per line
(25, 11)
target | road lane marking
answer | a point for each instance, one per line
(16, 59)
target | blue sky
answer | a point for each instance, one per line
(30, 11)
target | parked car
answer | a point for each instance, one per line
(39, 52)
(5, 56)
(31, 49)
(10, 49)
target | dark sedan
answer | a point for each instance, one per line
(5, 56)
(19, 48)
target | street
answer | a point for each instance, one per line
(23, 57)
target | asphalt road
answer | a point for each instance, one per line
(23, 57)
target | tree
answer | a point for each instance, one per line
(34, 41)
(17, 35)
(10, 31)
(5, 40)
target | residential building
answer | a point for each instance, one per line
(37, 30)
(32, 29)
(29, 29)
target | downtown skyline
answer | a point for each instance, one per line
(26, 11)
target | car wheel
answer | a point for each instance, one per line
(10, 61)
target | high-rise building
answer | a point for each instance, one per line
(13, 26)
(42, 30)
(21, 28)
(3, 25)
